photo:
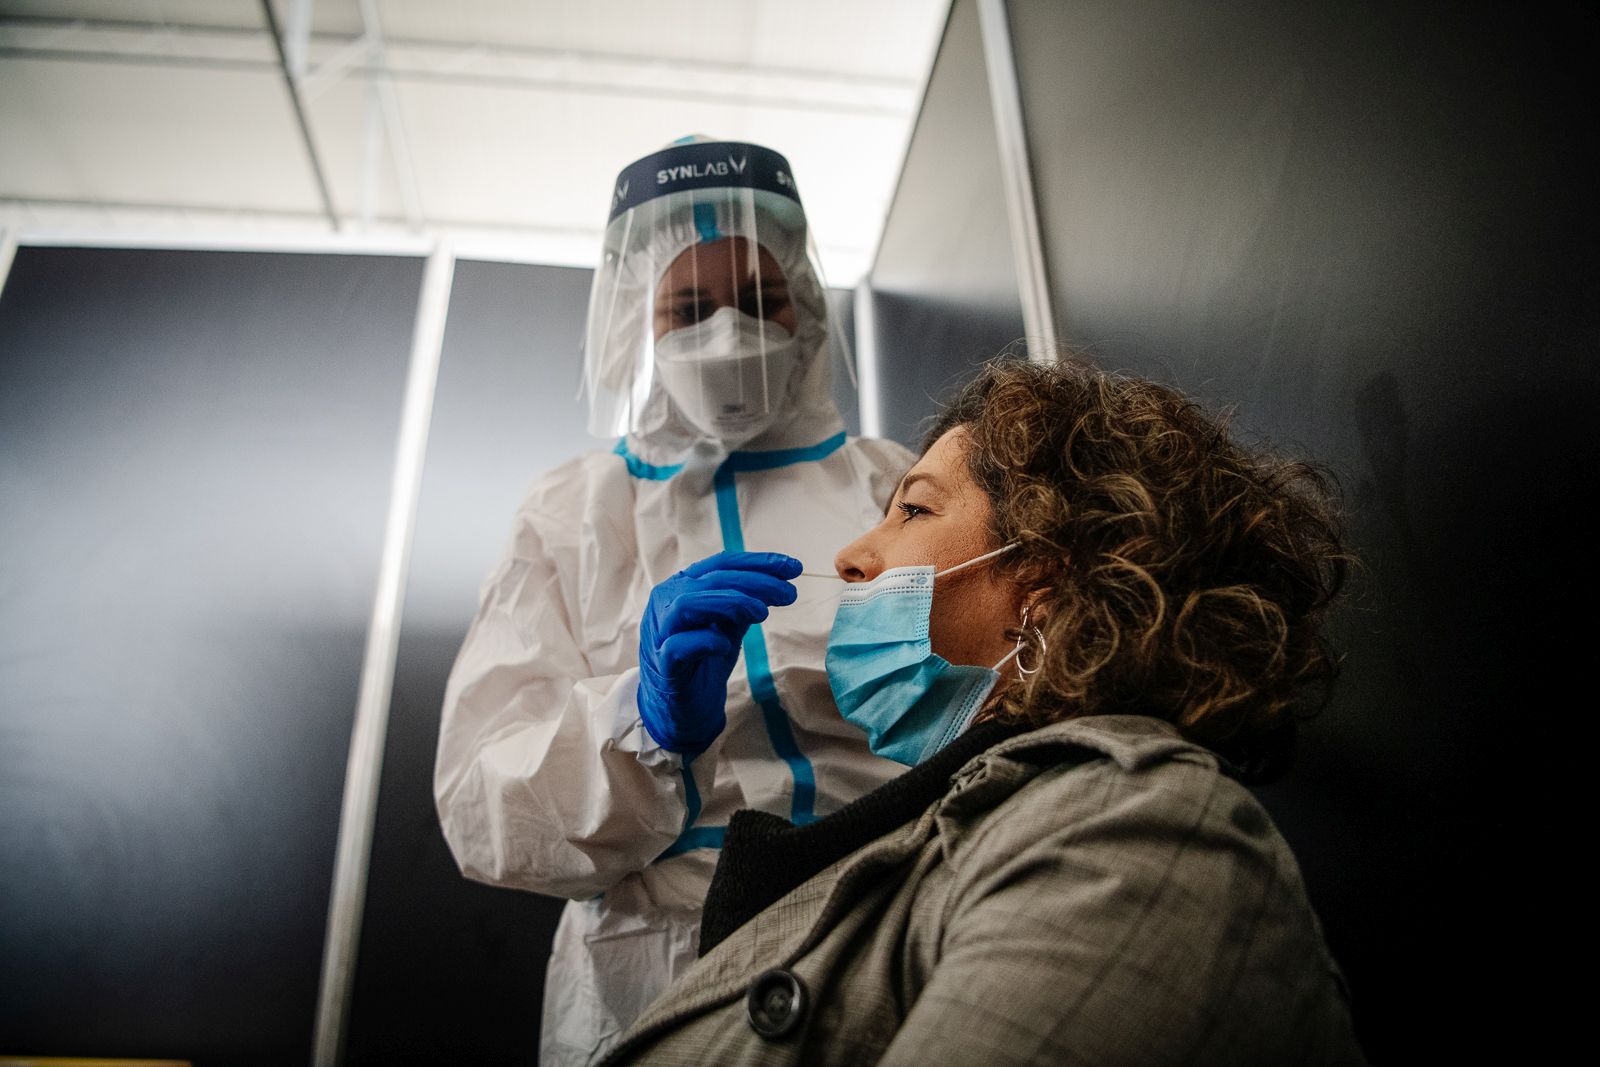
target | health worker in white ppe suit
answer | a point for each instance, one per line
(586, 748)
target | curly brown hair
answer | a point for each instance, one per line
(1180, 574)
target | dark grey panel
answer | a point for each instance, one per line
(450, 970)
(842, 306)
(944, 282)
(935, 347)
(195, 452)
(1369, 226)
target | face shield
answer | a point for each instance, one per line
(707, 317)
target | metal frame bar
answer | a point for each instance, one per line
(372, 141)
(180, 212)
(1033, 281)
(517, 68)
(310, 244)
(347, 898)
(300, 114)
(297, 45)
(529, 84)
(8, 255)
(394, 122)
(352, 57)
(67, 26)
(174, 226)
(869, 400)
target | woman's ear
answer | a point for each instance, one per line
(1030, 604)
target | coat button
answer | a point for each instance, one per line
(775, 1004)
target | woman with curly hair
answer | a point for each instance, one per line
(1088, 615)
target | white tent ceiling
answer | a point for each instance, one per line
(498, 124)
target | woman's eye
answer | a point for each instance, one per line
(911, 511)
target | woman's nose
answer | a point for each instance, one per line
(856, 562)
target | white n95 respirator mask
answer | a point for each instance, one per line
(728, 374)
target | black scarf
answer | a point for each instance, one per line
(765, 856)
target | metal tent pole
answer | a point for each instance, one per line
(300, 114)
(357, 814)
(1038, 316)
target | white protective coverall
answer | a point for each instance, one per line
(546, 779)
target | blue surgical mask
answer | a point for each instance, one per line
(884, 674)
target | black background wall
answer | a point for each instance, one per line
(195, 451)
(450, 969)
(1366, 226)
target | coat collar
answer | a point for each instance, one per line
(783, 932)
(1133, 742)
(764, 856)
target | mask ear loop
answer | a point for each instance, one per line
(1043, 647)
(977, 559)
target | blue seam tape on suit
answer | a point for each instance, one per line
(758, 666)
(691, 799)
(738, 462)
(765, 691)
(696, 837)
(640, 469)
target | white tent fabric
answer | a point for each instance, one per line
(496, 124)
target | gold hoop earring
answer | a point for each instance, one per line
(1038, 633)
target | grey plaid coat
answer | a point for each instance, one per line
(1095, 891)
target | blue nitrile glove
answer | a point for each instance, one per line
(689, 640)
